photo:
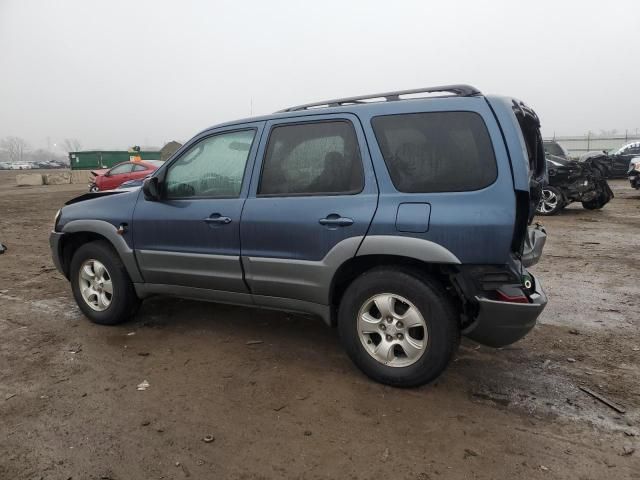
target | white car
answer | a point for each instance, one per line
(21, 166)
(634, 173)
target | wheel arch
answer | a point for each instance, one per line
(79, 232)
(358, 265)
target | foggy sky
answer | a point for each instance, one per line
(118, 73)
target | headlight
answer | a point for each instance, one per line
(55, 219)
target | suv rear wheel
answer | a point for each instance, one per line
(398, 327)
(101, 285)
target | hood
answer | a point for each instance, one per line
(99, 172)
(592, 154)
(114, 207)
(555, 161)
(91, 195)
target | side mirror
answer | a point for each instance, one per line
(151, 189)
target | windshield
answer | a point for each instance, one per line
(554, 148)
(557, 161)
(155, 163)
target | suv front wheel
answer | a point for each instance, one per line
(398, 326)
(101, 285)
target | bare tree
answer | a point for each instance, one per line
(71, 144)
(15, 148)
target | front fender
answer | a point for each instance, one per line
(108, 231)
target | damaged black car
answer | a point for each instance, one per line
(622, 157)
(571, 181)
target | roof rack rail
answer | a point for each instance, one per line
(455, 90)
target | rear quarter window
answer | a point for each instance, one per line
(436, 151)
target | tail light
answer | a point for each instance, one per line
(513, 298)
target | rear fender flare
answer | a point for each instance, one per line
(418, 248)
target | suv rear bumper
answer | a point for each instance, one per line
(501, 323)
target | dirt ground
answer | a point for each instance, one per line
(293, 406)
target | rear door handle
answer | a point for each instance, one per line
(335, 220)
(217, 219)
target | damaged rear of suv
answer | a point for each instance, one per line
(506, 299)
(354, 210)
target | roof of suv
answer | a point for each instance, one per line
(377, 99)
(454, 91)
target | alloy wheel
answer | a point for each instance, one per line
(548, 202)
(392, 330)
(95, 285)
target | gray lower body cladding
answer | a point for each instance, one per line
(101, 228)
(214, 272)
(306, 285)
(144, 290)
(56, 254)
(498, 323)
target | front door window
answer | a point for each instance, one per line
(212, 168)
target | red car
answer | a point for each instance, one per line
(110, 178)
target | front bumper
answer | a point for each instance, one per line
(501, 323)
(56, 253)
(634, 179)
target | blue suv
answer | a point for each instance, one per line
(402, 218)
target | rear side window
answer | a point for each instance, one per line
(633, 150)
(436, 151)
(122, 168)
(312, 159)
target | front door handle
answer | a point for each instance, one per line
(218, 219)
(335, 220)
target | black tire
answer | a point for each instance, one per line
(595, 204)
(437, 309)
(124, 301)
(560, 203)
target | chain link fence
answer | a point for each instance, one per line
(578, 145)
